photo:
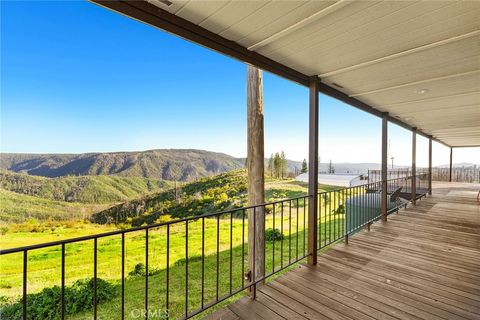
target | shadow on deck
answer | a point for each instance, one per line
(424, 263)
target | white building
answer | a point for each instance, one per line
(339, 179)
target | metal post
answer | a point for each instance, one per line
(313, 172)
(384, 205)
(430, 166)
(255, 168)
(414, 165)
(451, 157)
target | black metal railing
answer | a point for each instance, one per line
(195, 275)
(285, 221)
(359, 206)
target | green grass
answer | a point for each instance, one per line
(44, 264)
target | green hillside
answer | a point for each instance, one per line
(16, 207)
(85, 189)
(211, 194)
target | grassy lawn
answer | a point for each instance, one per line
(44, 265)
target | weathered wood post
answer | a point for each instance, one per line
(430, 165)
(414, 165)
(451, 158)
(384, 205)
(313, 172)
(255, 169)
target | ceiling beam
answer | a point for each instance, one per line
(432, 99)
(162, 19)
(300, 24)
(401, 54)
(150, 14)
(468, 146)
(415, 83)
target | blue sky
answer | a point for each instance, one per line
(79, 78)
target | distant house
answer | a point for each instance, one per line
(340, 179)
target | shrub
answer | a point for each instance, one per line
(339, 210)
(139, 271)
(3, 230)
(273, 234)
(46, 303)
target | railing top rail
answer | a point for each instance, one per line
(374, 182)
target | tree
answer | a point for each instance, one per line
(271, 165)
(331, 169)
(283, 165)
(304, 166)
(277, 165)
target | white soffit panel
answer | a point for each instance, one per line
(417, 60)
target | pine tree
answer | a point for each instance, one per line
(283, 164)
(331, 169)
(304, 166)
(271, 165)
(277, 165)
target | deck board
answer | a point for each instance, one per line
(424, 263)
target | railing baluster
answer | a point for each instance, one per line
(254, 260)
(243, 248)
(123, 276)
(186, 269)
(218, 253)
(335, 215)
(327, 198)
(347, 215)
(146, 273)
(319, 220)
(330, 218)
(24, 293)
(168, 272)
(273, 240)
(281, 239)
(94, 278)
(296, 244)
(203, 262)
(63, 283)
(264, 211)
(305, 199)
(290, 231)
(231, 250)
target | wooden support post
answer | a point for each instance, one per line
(256, 179)
(414, 166)
(451, 158)
(313, 172)
(384, 205)
(430, 166)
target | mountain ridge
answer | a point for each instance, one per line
(164, 164)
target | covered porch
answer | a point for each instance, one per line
(412, 64)
(422, 264)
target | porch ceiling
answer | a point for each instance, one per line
(418, 61)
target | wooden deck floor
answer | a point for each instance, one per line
(423, 264)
